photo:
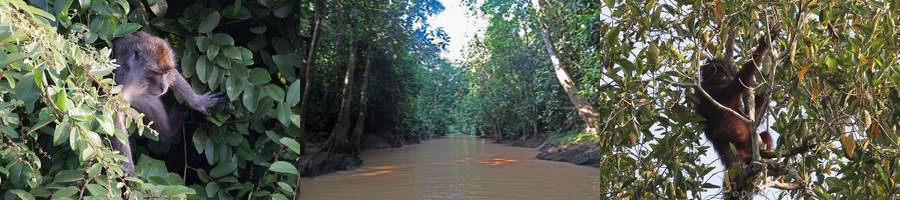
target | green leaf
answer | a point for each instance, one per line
(25, 195)
(97, 190)
(9, 131)
(201, 67)
(279, 196)
(294, 93)
(233, 87)
(60, 100)
(213, 77)
(296, 120)
(275, 92)
(259, 30)
(210, 152)
(292, 144)
(65, 192)
(285, 187)
(209, 22)
(287, 60)
(211, 189)
(284, 114)
(224, 168)
(249, 99)
(61, 133)
(202, 43)
(259, 76)
(126, 28)
(177, 190)
(95, 170)
(67, 176)
(246, 56)
(212, 51)
(283, 167)
(831, 63)
(233, 53)
(222, 39)
(200, 139)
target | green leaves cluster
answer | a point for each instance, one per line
(54, 92)
(58, 97)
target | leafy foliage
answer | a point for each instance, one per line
(58, 97)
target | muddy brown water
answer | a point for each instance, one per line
(455, 167)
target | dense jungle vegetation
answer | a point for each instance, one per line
(311, 83)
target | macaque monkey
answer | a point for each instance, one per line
(146, 71)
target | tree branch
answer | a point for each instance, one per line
(716, 103)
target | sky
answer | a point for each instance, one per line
(460, 24)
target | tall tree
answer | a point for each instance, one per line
(339, 135)
(585, 110)
(363, 105)
(310, 60)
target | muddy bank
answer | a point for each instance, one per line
(579, 154)
(531, 142)
(315, 162)
(384, 141)
(319, 163)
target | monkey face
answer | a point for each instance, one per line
(716, 72)
(157, 83)
(145, 63)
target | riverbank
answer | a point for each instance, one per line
(316, 162)
(560, 149)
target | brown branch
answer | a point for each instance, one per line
(716, 103)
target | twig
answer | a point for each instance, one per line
(713, 100)
(86, 182)
(782, 185)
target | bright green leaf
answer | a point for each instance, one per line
(283, 167)
(292, 144)
(294, 93)
(232, 52)
(284, 114)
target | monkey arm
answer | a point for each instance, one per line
(195, 101)
(746, 77)
(153, 109)
(123, 147)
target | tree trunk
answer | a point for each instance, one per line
(341, 129)
(361, 120)
(310, 59)
(585, 110)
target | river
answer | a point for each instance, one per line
(454, 167)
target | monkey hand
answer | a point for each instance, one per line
(208, 100)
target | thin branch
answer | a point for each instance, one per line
(716, 103)
(782, 185)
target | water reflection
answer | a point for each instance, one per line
(455, 167)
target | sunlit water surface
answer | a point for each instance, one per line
(455, 167)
